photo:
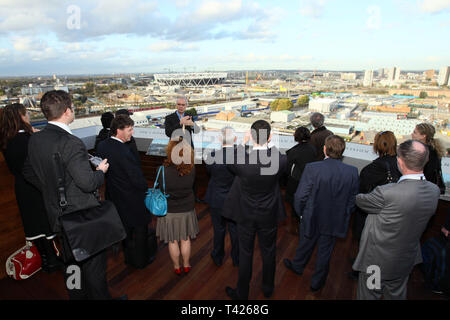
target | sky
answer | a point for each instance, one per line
(114, 36)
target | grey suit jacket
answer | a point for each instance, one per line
(398, 215)
(80, 180)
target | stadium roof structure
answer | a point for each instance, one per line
(191, 79)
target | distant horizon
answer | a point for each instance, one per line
(209, 71)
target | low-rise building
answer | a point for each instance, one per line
(282, 116)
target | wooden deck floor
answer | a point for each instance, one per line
(206, 281)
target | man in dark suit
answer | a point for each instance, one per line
(126, 187)
(81, 182)
(255, 203)
(319, 134)
(180, 124)
(324, 200)
(132, 142)
(220, 182)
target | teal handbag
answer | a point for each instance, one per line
(155, 200)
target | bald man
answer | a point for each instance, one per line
(398, 214)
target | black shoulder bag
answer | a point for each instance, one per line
(389, 177)
(87, 231)
(440, 180)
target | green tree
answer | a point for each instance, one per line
(303, 101)
(89, 87)
(281, 104)
(423, 95)
(191, 112)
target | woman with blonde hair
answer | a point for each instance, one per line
(180, 224)
(424, 132)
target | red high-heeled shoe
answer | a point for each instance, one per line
(187, 269)
(177, 271)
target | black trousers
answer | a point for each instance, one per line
(267, 237)
(91, 272)
(136, 248)
(220, 225)
(304, 251)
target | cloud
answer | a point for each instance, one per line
(166, 46)
(195, 20)
(26, 44)
(313, 8)
(182, 3)
(214, 11)
(207, 20)
(434, 6)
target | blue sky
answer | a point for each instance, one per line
(114, 36)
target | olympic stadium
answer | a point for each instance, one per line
(191, 79)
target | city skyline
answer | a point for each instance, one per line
(106, 37)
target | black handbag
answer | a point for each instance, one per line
(88, 231)
(440, 181)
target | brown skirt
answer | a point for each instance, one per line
(177, 226)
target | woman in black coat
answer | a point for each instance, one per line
(15, 131)
(381, 171)
(298, 156)
(424, 132)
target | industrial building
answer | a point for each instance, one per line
(444, 74)
(282, 116)
(323, 105)
(368, 78)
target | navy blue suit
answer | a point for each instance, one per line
(325, 199)
(220, 182)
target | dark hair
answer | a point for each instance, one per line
(11, 122)
(335, 146)
(260, 131)
(123, 112)
(414, 154)
(385, 143)
(302, 135)
(106, 119)
(317, 119)
(54, 103)
(121, 122)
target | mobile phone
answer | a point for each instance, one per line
(95, 160)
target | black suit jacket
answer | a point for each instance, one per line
(172, 123)
(80, 180)
(297, 158)
(255, 196)
(125, 183)
(221, 179)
